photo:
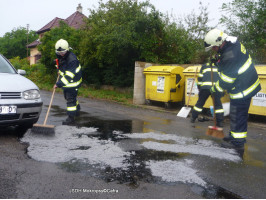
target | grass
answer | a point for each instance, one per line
(37, 73)
(122, 97)
(91, 92)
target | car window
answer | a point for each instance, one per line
(5, 67)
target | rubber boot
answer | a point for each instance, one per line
(228, 138)
(230, 145)
(192, 120)
(203, 119)
(70, 120)
(78, 111)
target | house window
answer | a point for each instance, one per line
(37, 57)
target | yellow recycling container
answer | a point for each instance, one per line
(189, 73)
(164, 84)
(258, 102)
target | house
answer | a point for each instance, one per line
(76, 20)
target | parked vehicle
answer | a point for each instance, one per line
(20, 100)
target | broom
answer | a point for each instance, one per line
(43, 128)
(214, 130)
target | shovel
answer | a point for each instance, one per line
(185, 110)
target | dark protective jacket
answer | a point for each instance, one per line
(204, 76)
(237, 72)
(70, 72)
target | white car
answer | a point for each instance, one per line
(20, 100)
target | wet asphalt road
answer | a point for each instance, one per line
(117, 151)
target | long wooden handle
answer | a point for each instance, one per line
(213, 99)
(192, 86)
(51, 101)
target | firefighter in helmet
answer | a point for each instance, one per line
(208, 72)
(239, 77)
(70, 79)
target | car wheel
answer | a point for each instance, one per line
(21, 129)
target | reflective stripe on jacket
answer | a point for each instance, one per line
(204, 76)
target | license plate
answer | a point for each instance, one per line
(8, 109)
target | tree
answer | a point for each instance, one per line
(47, 46)
(196, 26)
(177, 46)
(121, 32)
(14, 43)
(246, 19)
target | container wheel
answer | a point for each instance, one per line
(148, 102)
(167, 105)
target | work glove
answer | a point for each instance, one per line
(214, 91)
(215, 59)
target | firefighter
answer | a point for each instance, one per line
(204, 86)
(239, 77)
(70, 79)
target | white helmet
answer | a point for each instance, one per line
(214, 37)
(61, 46)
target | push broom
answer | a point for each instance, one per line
(44, 128)
(214, 131)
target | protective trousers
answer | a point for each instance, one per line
(71, 100)
(203, 96)
(239, 120)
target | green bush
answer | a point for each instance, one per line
(19, 63)
(117, 34)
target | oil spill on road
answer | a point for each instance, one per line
(121, 151)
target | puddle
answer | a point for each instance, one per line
(186, 145)
(123, 151)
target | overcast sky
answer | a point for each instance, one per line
(19, 13)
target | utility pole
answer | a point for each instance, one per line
(28, 39)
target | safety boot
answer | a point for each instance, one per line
(238, 148)
(230, 145)
(227, 138)
(78, 111)
(192, 120)
(70, 120)
(203, 119)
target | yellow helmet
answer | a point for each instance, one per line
(61, 46)
(214, 37)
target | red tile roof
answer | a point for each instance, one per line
(51, 24)
(34, 44)
(76, 20)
